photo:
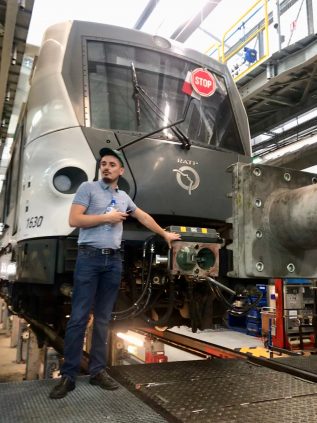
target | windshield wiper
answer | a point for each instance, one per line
(138, 93)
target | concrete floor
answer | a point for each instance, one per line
(223, 337)
(10, 370)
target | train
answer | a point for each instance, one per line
(178, 119)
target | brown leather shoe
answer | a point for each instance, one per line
(103, 380)
(62, 388)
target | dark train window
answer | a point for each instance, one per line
(114, 105)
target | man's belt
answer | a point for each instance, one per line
(104, 251)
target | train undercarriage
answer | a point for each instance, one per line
(160, 287)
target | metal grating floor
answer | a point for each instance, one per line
(222, 391)
(202, 391)
(28, 402)
(308, 363)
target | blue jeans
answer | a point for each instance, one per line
(96, 283)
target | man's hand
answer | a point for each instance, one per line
(115, 216)
(78, 218)
(170, 237)
(151, 224)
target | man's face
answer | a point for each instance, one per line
(110, 168)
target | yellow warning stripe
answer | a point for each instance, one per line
(190, 229)
(257, 352)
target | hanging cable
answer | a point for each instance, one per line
(216, 287)
(137, 308)
(220, 285)
(165, 318)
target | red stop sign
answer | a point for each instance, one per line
(203, 82)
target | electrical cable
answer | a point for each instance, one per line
(135, 309)
(165, 318)
(220, 285)
(216, 286)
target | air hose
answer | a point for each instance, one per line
(216, 286)
(137, 308)
(165, 318)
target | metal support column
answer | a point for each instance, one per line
(315, 312)
(34, 360)
(5, 319)
(2, 308)
(310, 16)
(15, 331)
(277, 24)
(22, 341)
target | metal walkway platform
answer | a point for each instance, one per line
(306, 363)
(200, 391)
(282, 87)
(222, 391)
(28, 402)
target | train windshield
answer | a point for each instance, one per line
(113, 70)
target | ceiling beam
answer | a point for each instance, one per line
(146, 13)
(289, 136)
(275, 99)
(300, 159)
(184, 31)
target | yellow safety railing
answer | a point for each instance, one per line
(215, 47)
(246, 57)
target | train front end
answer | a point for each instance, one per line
(177, 117)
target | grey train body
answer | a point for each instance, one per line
(97, 85)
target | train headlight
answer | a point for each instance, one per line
(161, 42)
(62, 183)
(67, 179)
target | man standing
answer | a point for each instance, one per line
(98, 268)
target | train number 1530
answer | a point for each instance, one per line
(34, 222)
